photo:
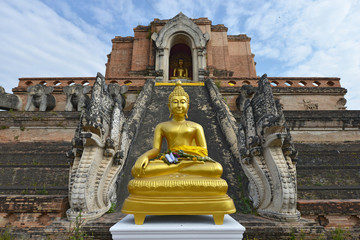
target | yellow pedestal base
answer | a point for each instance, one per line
(141, 206)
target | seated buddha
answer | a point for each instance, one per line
(180, 71)
(185, 181)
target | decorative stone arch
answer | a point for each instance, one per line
(180, 29)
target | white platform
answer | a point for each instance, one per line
(177, 227)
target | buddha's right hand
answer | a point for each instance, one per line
(139, 166)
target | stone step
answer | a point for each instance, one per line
(36, 159)
(328, 192)
(328, 182)
(331, 213)
(329, 158)
(328, 171)
(346, 154)
(325, 176)
(34, 176)
(37, 147)
(34, 153)
(34, 168)
(29, 190)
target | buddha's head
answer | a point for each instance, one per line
(181, 62)
(178, 101)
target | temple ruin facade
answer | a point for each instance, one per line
(289, 147)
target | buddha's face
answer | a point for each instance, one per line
(178, 105)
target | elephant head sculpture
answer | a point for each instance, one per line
(39, 96)
(76, 97)
(117, 91)
(9, 101)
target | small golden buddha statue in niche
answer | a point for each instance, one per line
(180, 71)
(191, 185)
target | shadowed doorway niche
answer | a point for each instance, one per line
(182, 52)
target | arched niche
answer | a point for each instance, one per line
(180, 51)
(180, 30)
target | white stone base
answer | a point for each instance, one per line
(177, 227)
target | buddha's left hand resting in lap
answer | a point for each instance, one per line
(180, 134)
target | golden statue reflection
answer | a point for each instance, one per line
(185, 180)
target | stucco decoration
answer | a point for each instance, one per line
(309, 105)
(39, 96)
(180, 29)
(267, 154)
(76, 97)
(100, 148)
(117, 93)
(340, 104)
(9, 101)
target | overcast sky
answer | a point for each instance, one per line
(68, 38)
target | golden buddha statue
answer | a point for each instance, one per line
(184, 181)
(180, 71)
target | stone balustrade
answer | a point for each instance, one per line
(224, 82)
(291, 82)
(229, 85)
(59, 83)
(134, 85)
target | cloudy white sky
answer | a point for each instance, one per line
(297, 38)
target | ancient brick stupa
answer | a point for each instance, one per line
(287, 145)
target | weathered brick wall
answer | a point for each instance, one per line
(218, 49)
(38, 126)
(240, 56)
(22, 211)
(332, 213)
(119, 61)
(131, 55)
(324, 126)
(141, 49)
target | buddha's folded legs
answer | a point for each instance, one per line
(158, 167)
(207, 169)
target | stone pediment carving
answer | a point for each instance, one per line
(183, 24)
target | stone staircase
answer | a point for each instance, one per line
(328, 171)
(200, 111)
(40, 170)
(325, 171)
(36, 168)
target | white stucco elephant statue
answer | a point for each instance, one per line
(39, 96)
(76, 97)
(9, 101)
(117, 91)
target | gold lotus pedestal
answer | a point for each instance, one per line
(178, 194)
